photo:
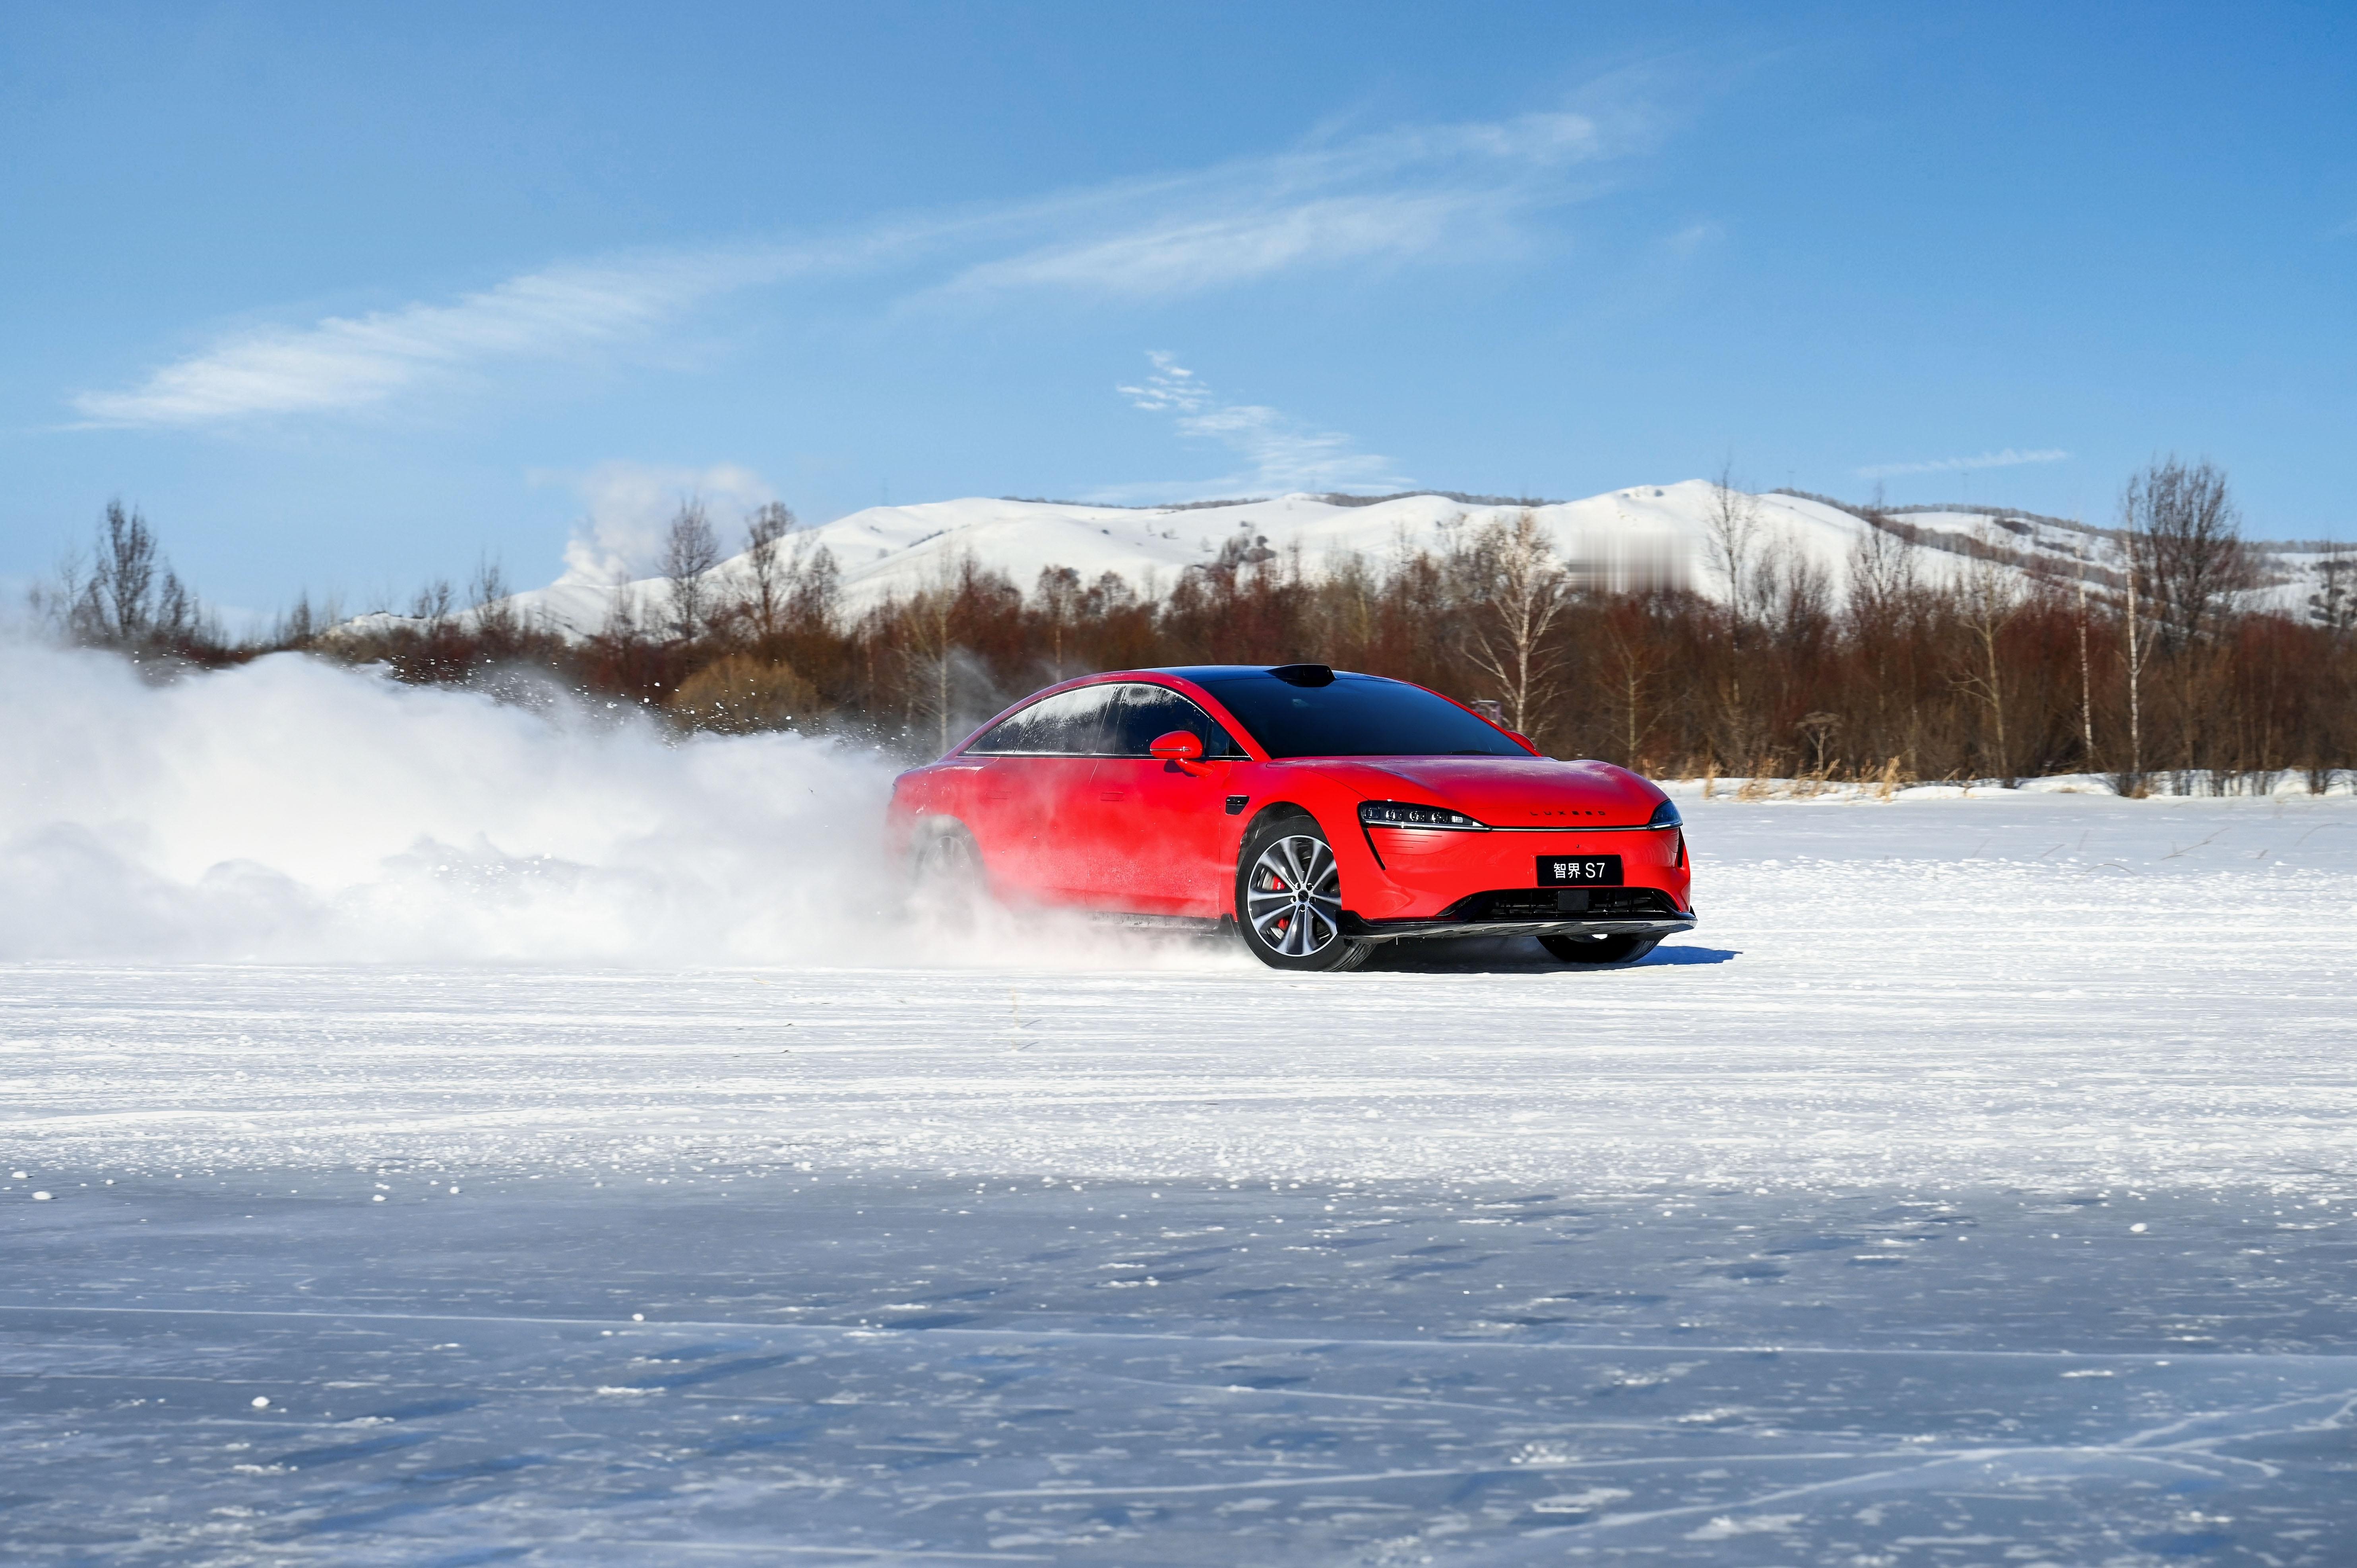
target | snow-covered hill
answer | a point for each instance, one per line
(1649, 532)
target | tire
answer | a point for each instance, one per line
(945, 876)
(1626, 947)
(1289, 899)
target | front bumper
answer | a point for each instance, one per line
(1535, 912)
(1438, 883)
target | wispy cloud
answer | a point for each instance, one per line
(1695, 238)
(1396, 194)
(2006, 460)
(1279, 454)
(1186, 255)
(1393, 194)
(343, 363)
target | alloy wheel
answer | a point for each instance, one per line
(1292, 897)
(946, 878)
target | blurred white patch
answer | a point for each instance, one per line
(1725, 1526)
(632, 504)
(294, 810)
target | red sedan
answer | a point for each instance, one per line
(1320, 811)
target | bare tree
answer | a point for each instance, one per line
(432, 605)
(1630, 651)
(929, 626)
(1059, 593)
(1989, 594)
(297, 624)
(2195, 562)
(122, 580)
(1795, 594)
(1513, 638)
(691, 550)
(2333, 605)
(2196, 570)
(1731, 540)
(497, 625)
(1732, 543)
(794, 582)
(814, 588)
(1817, 728)
(1884, 579)
(130, 599)
(2139, 650)
(1885, 610)
(766, 594)
(2086, 667)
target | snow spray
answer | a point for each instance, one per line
(293, 809)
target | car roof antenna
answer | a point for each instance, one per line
(1305, 674)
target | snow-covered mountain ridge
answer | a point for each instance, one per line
(1621, 538)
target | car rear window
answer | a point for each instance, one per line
(1070, 724)
(1357, 716)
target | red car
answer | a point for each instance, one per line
(1322, 811)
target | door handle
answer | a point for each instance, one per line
(1112, 795)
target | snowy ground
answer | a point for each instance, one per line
(1974, 1186)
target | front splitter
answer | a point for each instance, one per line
(1396, 931)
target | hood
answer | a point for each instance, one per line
(1507, 791)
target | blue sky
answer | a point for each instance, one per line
(348, 297)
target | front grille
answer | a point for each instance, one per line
(1554, 903)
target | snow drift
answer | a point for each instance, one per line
(297, 809)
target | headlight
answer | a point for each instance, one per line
(1665, 815)
(1398, 814)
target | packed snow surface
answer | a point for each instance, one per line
(434, 1131)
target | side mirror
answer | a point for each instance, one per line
(1525, 739)
(1178, 746)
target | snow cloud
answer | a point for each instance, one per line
(2006, 460)
(632, 504)
(294, 809)
(1278, 453)
(1389, 195)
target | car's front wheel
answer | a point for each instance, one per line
(1289, 899)
(1626, 947)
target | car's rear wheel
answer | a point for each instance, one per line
(1289, 899)
(1626, 947)
(945, 874)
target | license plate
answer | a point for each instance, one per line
(1580, 871)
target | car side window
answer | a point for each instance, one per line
(1070, 724)
(1143, 713)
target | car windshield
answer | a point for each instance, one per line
(1357, 716)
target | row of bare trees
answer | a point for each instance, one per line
(124, 595)
(2145, 658)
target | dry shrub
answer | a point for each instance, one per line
(740, 694)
